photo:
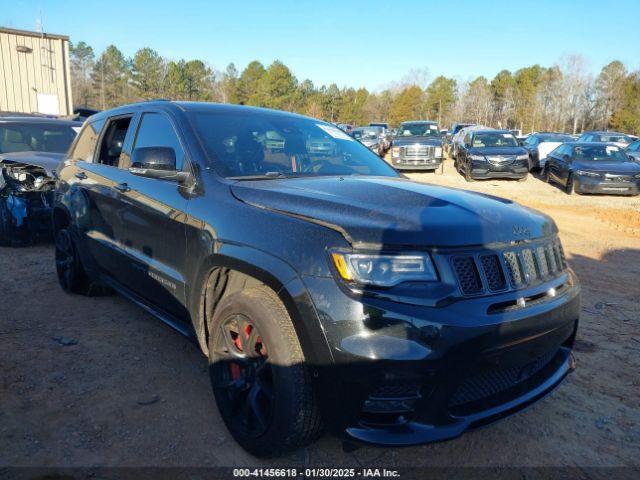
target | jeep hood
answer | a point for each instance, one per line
(374, 211)
(48, 161)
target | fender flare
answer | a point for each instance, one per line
(277, 275)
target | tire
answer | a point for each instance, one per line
(569, 186)
(523, 179)
(467, 174)
(72, 276)
(261, 383)
(545, 174)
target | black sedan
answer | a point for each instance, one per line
(492, 154)
(593, 168)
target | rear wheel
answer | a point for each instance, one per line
(261, 383)
(71, 273)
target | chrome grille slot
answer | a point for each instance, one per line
(513, 268)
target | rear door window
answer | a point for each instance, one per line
(112, 142)
(85, 146)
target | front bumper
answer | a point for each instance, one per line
(416, 163)
(584, 184)
(407, 374)
(485, 169)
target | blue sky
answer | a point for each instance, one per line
(354, 43)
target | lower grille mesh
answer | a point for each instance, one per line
(490, 383)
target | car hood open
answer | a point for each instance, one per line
(375, 211)
(48, 161)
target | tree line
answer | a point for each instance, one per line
(564, 97)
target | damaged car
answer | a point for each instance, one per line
(326, 290)
(31, 149)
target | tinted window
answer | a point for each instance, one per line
(34, 137)
(494, 140)
(85, 146)
(237, 146)
(615, 138)
(555, 138)
(418, 130)
(113, 141)
(156, 131)
(634, 146)
(596, 153)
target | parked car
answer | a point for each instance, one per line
(491, 154)
(417, 146)
(387, 135)
(620, 139)
(31, 147)
(325, 291)
(633, 150)
(345, 127)
(539, 145)
(82, 113)
(448, 140)
(458, 139)
(370, 137)
(593, 167)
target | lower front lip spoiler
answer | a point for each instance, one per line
(415, 433)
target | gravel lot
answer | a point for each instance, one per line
(98, 382)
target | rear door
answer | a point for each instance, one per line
(154, 221)
(100, 180)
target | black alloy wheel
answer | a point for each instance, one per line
(242, 377)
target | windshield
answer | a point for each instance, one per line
(494, 140)
(556, 138)
(418, 130)
(615, 139)
(236, 146)
(599, 153)
(27, 137)
(367, 134)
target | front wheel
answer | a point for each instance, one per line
(546, 176)
(261, 383)
(467, 173)
(569, 188)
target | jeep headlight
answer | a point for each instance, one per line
(384, 270)
(522, 157)
(587, 174)
(395, 152)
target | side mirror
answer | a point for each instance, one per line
(155, 162)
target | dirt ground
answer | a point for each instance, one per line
(98, 382)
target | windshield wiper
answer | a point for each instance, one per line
(267, 176)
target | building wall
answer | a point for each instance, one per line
(33, 68)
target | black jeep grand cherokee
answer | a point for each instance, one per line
(326, 290)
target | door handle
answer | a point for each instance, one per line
(81, 175)
(122, 187)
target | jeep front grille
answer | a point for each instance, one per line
(515, 267)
